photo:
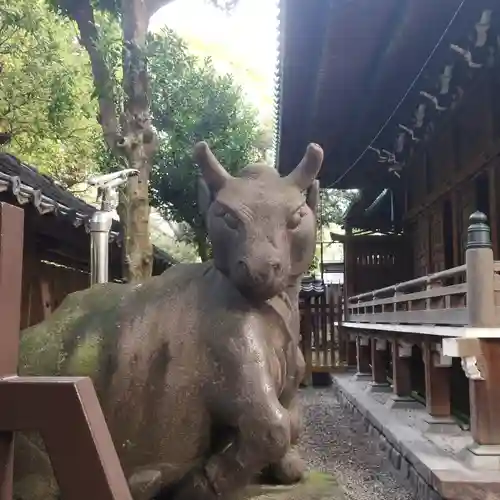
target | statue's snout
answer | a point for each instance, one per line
(264, 276)
(260, 273)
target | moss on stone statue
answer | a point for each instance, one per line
(316, 486)
(85, 360)
(68, 341)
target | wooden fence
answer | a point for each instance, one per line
(45, 285)
(320, 328)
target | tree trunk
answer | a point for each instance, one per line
(133, 209)
(132, 137)
(139, 143)
(82, 13)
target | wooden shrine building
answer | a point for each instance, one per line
(404, 98)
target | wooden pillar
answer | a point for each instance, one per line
(363, 357)
(11, 257)
(341, 337)
(437, 383)
(306, 338)
(456, 213)
(401, 378)
(379, 361)
(351, 351)
(348, 268)
(484, 394)
(492, 185)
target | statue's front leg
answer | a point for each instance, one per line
(261, 435)
(289, 469)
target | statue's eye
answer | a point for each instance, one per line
(296, 218)
(230, 220)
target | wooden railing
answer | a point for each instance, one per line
(438, 299)
(421, 325)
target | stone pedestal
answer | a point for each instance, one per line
(403, 403)
(378, 387)
(362, 376)
(482, 457)
(439, 425)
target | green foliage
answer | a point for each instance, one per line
(314, 266)
(181, 251)
(333, 205)
(191, 102)
(44, 93)
(68, 7)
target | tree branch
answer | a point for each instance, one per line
(154, 6)
(83, 14)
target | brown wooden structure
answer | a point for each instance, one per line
(321, 313)
(410, 116)
(65, 411)
(56, 244)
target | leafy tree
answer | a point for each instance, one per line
(333, 205)
(45, 83)
(265, 139)
(190, 101)
(122, 92)
(179, 250)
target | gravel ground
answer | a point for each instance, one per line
(334, 442)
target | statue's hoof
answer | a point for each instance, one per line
(289, 470)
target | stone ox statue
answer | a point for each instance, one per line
(197, 370)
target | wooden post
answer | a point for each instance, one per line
(437, 383)
(492, 184)
(378, 358)
(351, 351)
(363, 355)
(455, 212)
(11, 260)
(379, 366)
(348, 275)
(341, 337)
(401, 376)
(484, 394)
(306, 337)
(437, 390)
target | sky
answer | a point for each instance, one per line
(247, 36)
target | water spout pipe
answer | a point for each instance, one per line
(101, 222)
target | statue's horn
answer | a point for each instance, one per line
(214, 174)
(306, 171)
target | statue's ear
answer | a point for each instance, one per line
(312, 196)
(204, 196)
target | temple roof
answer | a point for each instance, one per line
(352, 71)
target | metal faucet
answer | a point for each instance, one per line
(101, 221)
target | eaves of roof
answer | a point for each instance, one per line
(28, 186)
